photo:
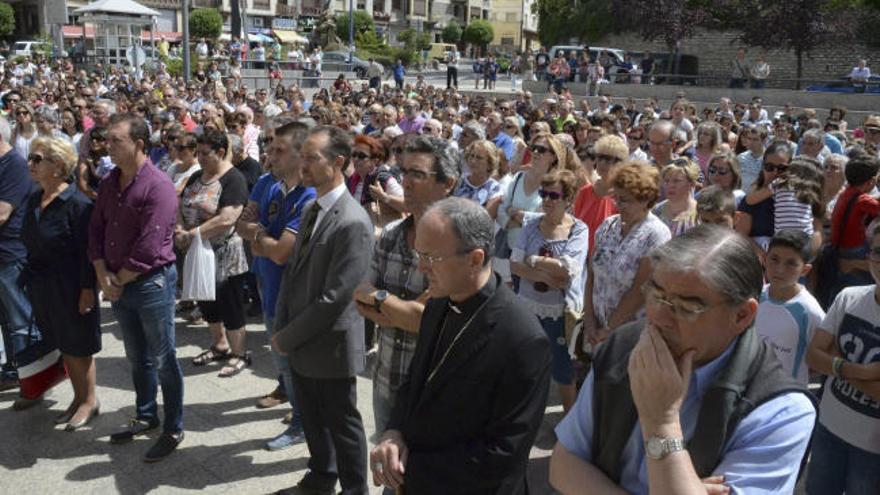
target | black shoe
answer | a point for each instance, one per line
(164, 446)
(8, 384)
(135, 427)
(299, 489)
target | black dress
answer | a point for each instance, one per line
(58, 269)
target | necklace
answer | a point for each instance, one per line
(454, 340)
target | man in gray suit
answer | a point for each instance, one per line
(317, 324)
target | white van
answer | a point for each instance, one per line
(29, 48)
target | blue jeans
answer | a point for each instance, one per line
(283, 366)
(561, 370)
(146, 316)
(837, 467)
(15, 315)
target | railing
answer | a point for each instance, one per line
(208, 4)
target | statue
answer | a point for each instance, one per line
(324, 33)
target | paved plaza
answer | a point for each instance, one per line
(223, 450)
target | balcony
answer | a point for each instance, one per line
(261, 5)
(285, 10)
(381, 16)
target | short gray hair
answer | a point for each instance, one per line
(5, 131)
(841, 160)
(817, 135)
(472, 225)
(47, 113)
(723, 259)
(236, 144)
(446, 158)
(110, 104)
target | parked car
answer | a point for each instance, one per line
(438, 51)
(844, 85)
(339, 62)
(29, 48)
(616, 55)
(684, 65)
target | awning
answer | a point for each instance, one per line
(73, 31)
(290, 37)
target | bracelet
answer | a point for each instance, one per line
(837, 366)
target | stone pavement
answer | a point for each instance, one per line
(223, 450)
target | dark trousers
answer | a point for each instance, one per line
(334, 433)
(375, 82)
(451, 77)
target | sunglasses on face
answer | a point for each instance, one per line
(357, 155)
(537, 148)
(607, 158)
(551, 195)
(772, 168)
(22, 113)
(35, 158)
(719, 171)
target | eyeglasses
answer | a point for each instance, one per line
(414, 174)
(773, 168)
(551, 195)
(607, 158)
(872, 130)
(685, 310)
(718, 171)
(35, 158)
(357, 155)
(22, 113)
(397, 150)
(430, 260)
(537, 148)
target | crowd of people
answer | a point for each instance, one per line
(681, 275)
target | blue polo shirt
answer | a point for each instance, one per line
(506, 144)
(280, 210)
(15, 185)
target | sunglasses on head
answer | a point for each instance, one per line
(771, 168)
(537, 148)
(551, 195)
(357, 155)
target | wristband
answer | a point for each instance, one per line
(836, 366)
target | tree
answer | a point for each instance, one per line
(594, 20)
(668, 20)
(797, 25)
(479, 32)
(413, 40)
(452, 32)
(205, 23)
(363, 22)
(7, 19)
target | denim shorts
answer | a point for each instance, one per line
(837, 467)
(561, 370)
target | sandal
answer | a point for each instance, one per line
(231, 369)
(211, 355)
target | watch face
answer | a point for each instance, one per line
(654, 448)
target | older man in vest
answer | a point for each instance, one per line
(691, 399)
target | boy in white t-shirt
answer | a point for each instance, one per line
(788, 314)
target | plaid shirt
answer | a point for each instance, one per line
(395, 269)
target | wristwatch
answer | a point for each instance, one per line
(659, 447)
(378, 299)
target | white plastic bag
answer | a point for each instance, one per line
(198, 271)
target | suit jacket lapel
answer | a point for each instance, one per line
(330, 217)
(471, 341)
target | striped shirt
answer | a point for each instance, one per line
(789, 213)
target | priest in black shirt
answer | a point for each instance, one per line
(468, 415)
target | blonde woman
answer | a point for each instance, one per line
(482, 158)
(679, 210)
(61, 281)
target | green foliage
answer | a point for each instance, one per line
(205, 23)
(479, 32)
(452, 32)
(174, 66)
(7, 19)
(363, 23)
(555, 26)
(368, 41)
(413, 41)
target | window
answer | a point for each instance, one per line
(507, 40)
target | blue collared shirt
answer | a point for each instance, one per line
(762, 456)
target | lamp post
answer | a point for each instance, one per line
(350, 34)
(186, 60)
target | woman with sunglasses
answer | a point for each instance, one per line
(550, 258)
(374, 183)
(619, 263)
(594, 203)
(756, 220)
(25, 131)
(185, 164)
(679, 209)
(61, 280)
(522, 198)
(723, 171)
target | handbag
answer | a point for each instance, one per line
(502, 248)
(199, 271)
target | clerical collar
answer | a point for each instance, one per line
(470, 304)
